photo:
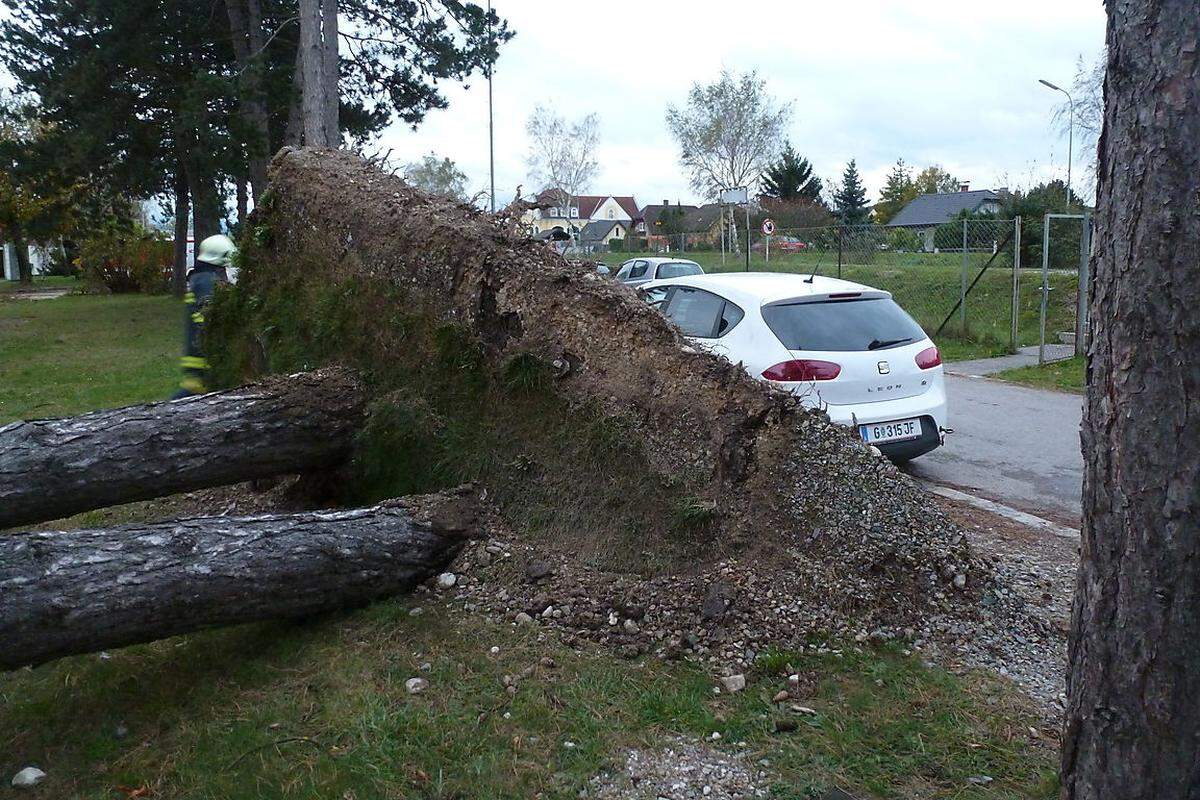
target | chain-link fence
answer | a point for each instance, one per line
(1056, 249)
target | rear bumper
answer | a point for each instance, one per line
(930, 407)
(929, 439)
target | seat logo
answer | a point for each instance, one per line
(884, 369)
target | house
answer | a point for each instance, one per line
(571, 217)
(39, 261)
(597, 234)
(691, 227)
(924, 214)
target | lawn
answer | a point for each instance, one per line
(81, 352)
(928, 285)
(40, 282)
(1067, 375)
(318, 708)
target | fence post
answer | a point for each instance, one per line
(1045, 288)
(1016, 284)
(840, 229)
(1081, 309)
(962, 297)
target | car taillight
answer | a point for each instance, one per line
(803, 369)
(928, 358)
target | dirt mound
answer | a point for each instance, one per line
(635, 439)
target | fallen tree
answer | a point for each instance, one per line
(70, 592)
(50, 469)
(585, 413)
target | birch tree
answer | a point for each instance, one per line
(729, 132)
(562, 154)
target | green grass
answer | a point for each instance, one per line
(40, 282)
(928, 285)
(76, 353)
(319, 709)
(1067, 375)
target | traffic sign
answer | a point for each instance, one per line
(768, 227)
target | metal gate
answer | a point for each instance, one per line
(1066, 247)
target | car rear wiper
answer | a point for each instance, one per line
(876, 344)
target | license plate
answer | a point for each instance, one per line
(894, 431)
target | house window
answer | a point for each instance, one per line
(574, 212)
(611, 214)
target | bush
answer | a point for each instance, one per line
(616, 246)
(127, 263)
(634, 244)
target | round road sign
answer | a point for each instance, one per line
(768, 226)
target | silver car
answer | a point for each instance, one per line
(637, 271)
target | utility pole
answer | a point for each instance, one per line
(491, 125)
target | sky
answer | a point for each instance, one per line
(931, 82)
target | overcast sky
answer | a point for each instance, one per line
(931, 82)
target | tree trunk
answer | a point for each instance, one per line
(243, 201)
(313, 48)
(51, 469)
(1133, 719)
(70, 592)
(330, 72)
(183, 213)
(245, 26)
(21, 251)
(206, 202)
(294, 133)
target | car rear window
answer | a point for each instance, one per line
(677, 269)
(842, 325)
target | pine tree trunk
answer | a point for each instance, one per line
(206, 201)
(69, 592)
(245, 26)
(294, 133)
(50, 469)
(183, 213)
(330, 72)
(1133, 719)
(312, 47)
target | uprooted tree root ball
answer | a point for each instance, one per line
(593, 425)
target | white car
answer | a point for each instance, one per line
(840, 346)
(639, 271)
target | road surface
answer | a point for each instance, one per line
(1013, 444)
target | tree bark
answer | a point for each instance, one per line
(294, 133)
(206, 202)
(313, 48)
(330, 72)
(183, 213)
(1133, 718)
(50, 469)
(245, 26)
(69, 592)
(21, 251)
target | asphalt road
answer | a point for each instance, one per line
(1012, 444)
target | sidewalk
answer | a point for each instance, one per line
(1028, 356)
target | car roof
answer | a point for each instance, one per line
(660, 260)
(765, 288)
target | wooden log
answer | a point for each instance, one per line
(70, 592)
(50, 469)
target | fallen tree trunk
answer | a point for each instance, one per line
(70, 592)
(50, 469)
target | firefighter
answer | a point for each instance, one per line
(214, 264)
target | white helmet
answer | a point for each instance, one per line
(219, 250)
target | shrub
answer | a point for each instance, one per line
(616, 246)
(123, 263)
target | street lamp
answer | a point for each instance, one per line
(1070, 131)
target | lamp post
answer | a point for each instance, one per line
(491, 126)
(1070, 131)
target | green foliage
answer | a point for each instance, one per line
(850, 200)
(616, 246)
(440, 177)
(791, 178)
(903, 240)
(526, 372)
(119, 264)
(898, 191)
(935, 180)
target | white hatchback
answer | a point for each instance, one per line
(843, 347)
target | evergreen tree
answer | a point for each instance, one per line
(850, 200)
(897, 192)
(791, 178)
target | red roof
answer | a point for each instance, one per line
(588, 203)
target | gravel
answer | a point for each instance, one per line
(680, 770)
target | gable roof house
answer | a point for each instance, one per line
(699, 226)
(573, 216)
(924, 214)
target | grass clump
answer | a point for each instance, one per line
(1067, 375)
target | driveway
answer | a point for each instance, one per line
(1016, 445)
